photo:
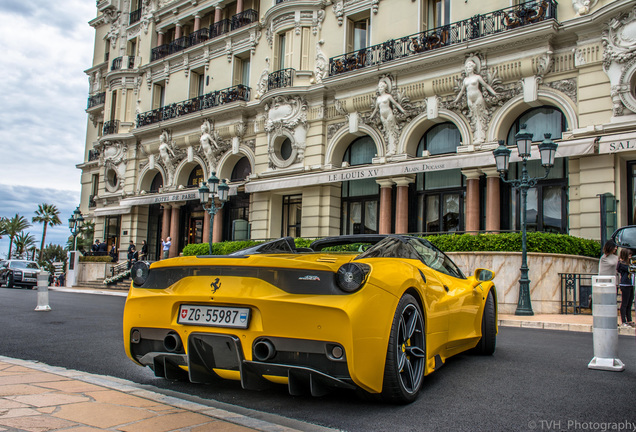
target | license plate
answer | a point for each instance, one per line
(30, 279)
(215, 316)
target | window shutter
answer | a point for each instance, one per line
(289, 49)
(238, 69)
(304, 59)
(350, 35)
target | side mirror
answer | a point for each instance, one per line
(484, 275)
(625, 237)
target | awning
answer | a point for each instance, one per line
(111, 211)
(568, 148)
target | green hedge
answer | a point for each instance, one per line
(106, 259)
(511, 242)
(507, 242)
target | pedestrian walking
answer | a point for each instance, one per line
(626, 287)
(143, 254)
(166, 247)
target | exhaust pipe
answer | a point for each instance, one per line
(264, 350)
(172, 342)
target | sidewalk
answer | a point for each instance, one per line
(36, 397)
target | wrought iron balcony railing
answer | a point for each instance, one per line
(93, 155)
(198, 36)
(280, 78)
(199, 103)
(134, 16)
(217, 29)
(131, 62)
(116, 64)
(244, 18)
(111, 127)
(96, 100)
(458, 32)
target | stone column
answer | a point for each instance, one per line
(174, 230)
(160, 36)
(197, 22)
(165, 225)
(218, 11)
(402, 204)
(386, 187)
(178, 31)
(472, 199)
(206, 227)
(217, 233)
(493, 201)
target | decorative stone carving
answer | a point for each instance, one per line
(338, 10)
(97, 81)
(583, 7)
(113, 18)
(286, 120)
(211, 145)
(322, 64)
(170, 155)
(619, 61)
(263, 81)
(113, 157)
(393, 109)
(316, 23)
(567, 86)
(333, 128)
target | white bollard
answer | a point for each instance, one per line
(605, 326)
(43, 292)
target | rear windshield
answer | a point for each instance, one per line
(24, 264)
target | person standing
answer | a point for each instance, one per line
(143, 254)
(166, 247)
(609, 260)
(131, 253)
(626, 287)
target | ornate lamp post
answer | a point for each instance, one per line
(502, 158)
(75, 223)
(208, 194)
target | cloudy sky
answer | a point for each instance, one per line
(43, 91)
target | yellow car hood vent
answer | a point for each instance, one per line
(330, 260)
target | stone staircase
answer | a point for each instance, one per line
(98, 284)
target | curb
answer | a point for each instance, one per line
(131, 388)
(581, 328)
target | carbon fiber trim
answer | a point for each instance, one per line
(293, 281)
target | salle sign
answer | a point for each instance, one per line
(616, 144)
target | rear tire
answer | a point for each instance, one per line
(10, 283)
(406, 353)
(488, 341)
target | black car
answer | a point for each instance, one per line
(15, 273)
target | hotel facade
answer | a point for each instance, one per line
(357, 116)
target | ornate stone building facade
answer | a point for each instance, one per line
(340, 117)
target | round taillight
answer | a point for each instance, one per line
(351, 276)
(139, 272)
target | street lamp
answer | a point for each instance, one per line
(502, 158)
(75, 223)
(208, 194)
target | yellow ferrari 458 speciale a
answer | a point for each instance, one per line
(312, 318)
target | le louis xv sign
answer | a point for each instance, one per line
(384, 171)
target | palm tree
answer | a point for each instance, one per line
(14, 226)
(48, 214)
(3, 226)
(23, 241)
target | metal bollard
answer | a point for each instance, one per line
(43, 292)
(605, 328)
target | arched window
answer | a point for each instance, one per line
(241, 170)
(196, 177)
(157, 182)
(540, 121)
(360, 198)
(360, 152)
(440, 139)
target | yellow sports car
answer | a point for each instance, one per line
(379, 319)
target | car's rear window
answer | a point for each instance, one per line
(24, 264)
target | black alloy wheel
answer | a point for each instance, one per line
(406, 353)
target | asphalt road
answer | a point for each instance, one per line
(537, 379)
